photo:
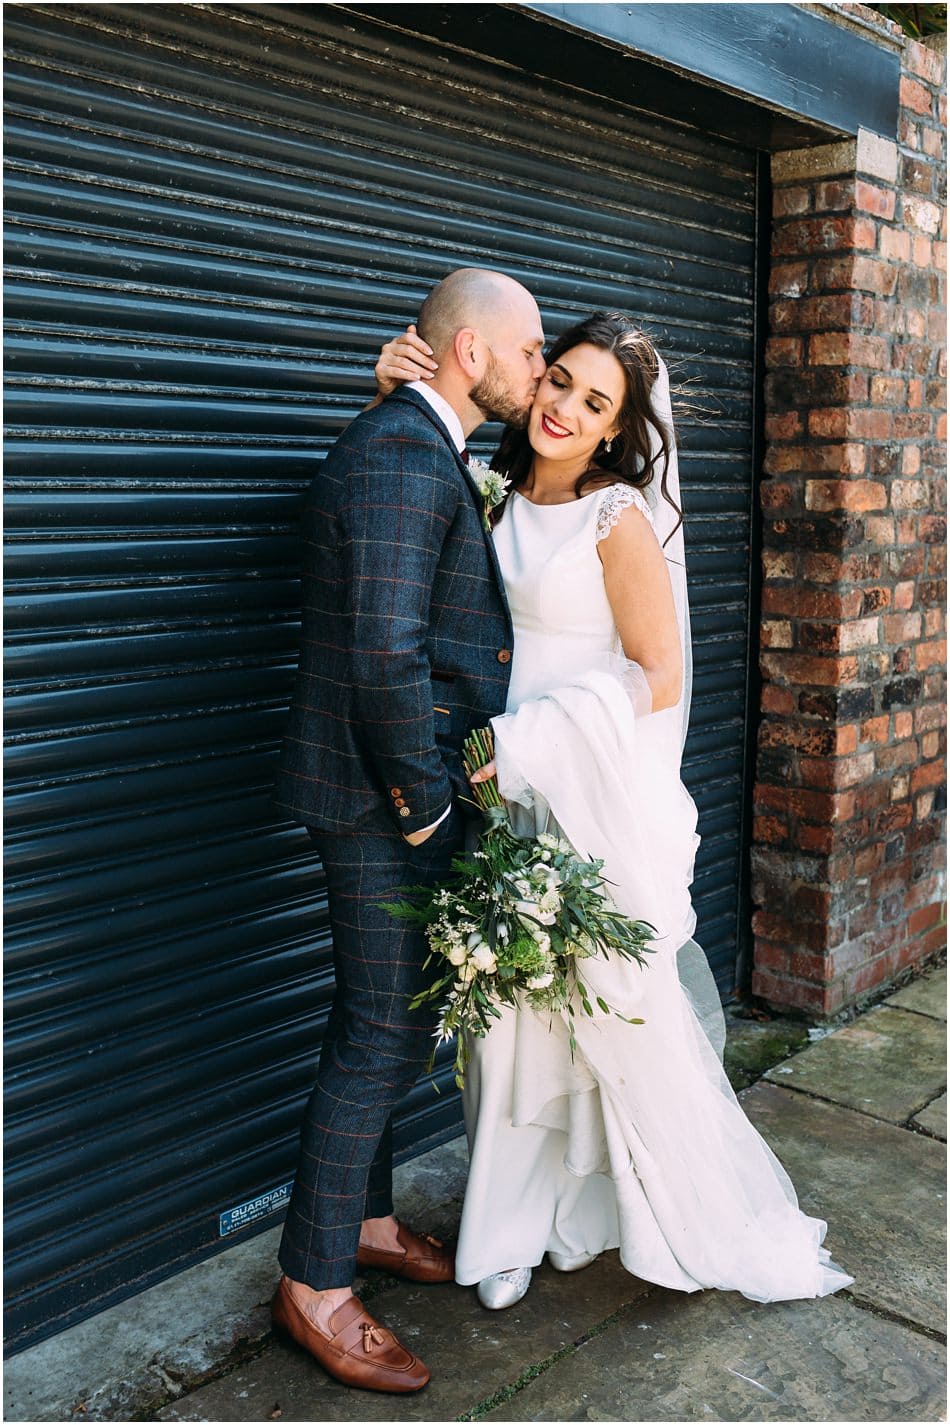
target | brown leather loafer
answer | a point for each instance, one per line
(420, 1258)
(357, 1351)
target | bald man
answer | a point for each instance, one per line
(405, 647)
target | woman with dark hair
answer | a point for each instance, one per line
(628, 452)
(633, 1139)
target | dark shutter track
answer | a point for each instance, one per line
(213, 217)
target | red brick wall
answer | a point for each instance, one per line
(849, 830)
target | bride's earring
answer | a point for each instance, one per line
(608, 444)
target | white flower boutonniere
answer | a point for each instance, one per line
(492, 486)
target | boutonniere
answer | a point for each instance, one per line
(491, 485)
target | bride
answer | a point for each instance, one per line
(636, 1141)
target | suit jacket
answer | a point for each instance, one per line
(406, 634)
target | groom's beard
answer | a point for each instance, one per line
(495, 400)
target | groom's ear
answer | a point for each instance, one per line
(467, 348)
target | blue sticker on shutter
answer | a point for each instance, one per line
(247, 1212)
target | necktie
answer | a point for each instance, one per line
(464, 454)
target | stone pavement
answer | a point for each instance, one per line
(858, 1117)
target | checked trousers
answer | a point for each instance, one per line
(374, 1048)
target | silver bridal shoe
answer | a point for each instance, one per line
(503, 1289)
(571, 1264)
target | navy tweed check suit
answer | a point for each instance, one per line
(405, 646)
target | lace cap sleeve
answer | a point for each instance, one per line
(613, 502)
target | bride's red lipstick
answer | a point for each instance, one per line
(556, 433)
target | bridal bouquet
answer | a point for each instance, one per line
(515, 921)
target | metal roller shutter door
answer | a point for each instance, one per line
(213, 214)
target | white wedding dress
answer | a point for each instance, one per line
(638, 1142)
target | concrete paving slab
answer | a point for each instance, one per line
(926, 995)
(933, 1118)
(715, 1356)
(428, 1191)
(889, 1063)
(754, 1045)
(882, 1191)
(472, 1353)
(119, 1364)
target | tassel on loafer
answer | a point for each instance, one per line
(419, 1258)
(503, 1289)
(356, 1350)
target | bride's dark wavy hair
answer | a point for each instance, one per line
(632, 458)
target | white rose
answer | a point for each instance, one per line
(541, 982)
(483, 959)
(466, 974)
(542, 940)
(457, 955)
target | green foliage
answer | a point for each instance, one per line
(918, 21)
(512, 922)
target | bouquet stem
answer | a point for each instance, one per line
(478, 750)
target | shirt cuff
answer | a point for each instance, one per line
(424, 830)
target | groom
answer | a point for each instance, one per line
(405, 647)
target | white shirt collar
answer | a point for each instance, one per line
(443, 410)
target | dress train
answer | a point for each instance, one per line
(638, 1141)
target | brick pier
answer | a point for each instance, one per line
(849, 834)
